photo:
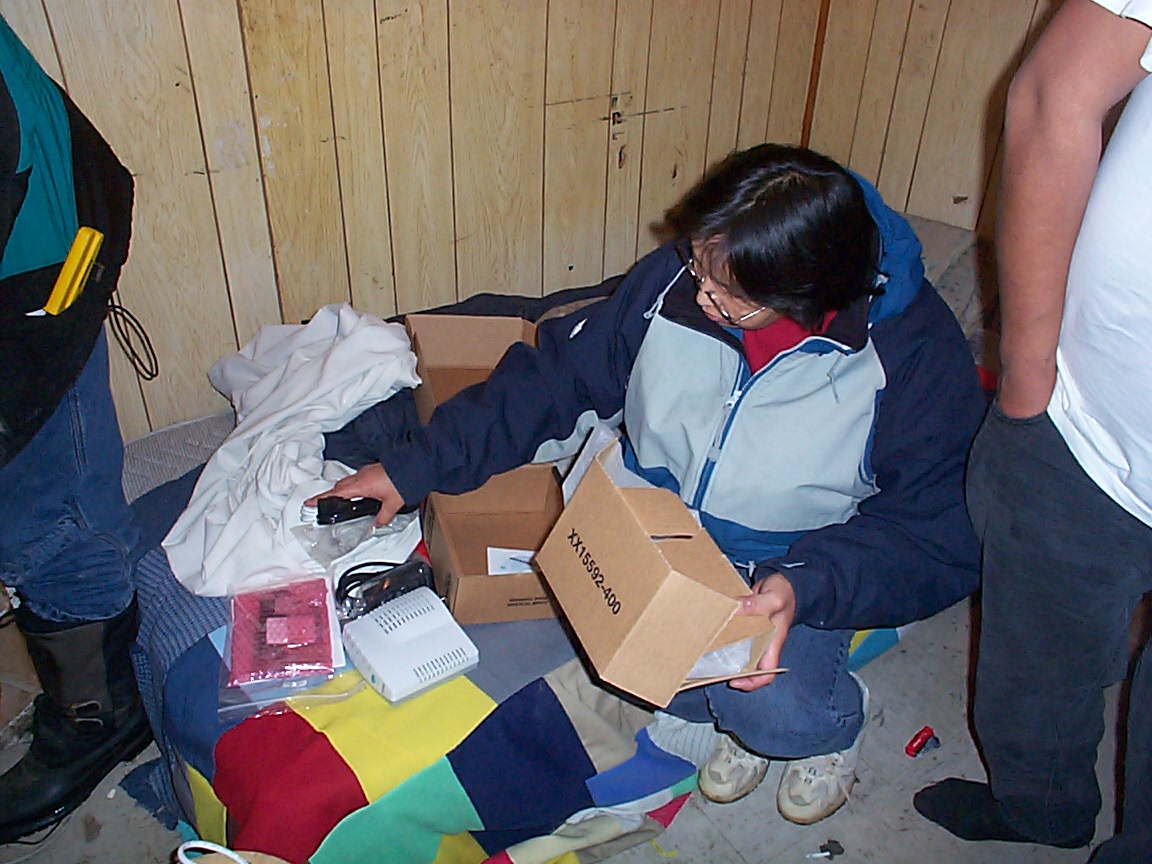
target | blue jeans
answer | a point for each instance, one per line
(1064, 568)
(812, 709)
(68, 540)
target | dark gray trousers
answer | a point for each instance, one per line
(1064, 568)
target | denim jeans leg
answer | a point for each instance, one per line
(68, 534)
(812, 709)
(1063, 568)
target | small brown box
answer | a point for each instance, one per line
(514, 510)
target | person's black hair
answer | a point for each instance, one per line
(785, 227)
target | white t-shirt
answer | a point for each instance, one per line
(1102, 403)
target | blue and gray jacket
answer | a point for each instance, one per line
(839, 464)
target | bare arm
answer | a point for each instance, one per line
(1086, 61)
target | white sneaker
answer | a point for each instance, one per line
(731, 772)
(814, 788)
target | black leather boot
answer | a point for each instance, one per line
(88, 719)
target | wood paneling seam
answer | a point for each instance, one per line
(895, 90)
(643, 124)
(336, 145)
(452, 150)
(260, 158)
(927, 105)
(384, 153)
(814, 72)
(863, 78)
(712, 82)
(211, 185)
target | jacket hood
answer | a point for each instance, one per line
(900, 261)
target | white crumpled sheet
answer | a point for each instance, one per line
(289, 386)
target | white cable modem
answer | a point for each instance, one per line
(408, 645)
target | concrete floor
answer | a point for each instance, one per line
(922, 681)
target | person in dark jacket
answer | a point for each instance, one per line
(783, 366)
(68, 538)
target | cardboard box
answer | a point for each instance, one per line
(456, 351)
(644, 587)
(514, 510)
(18, 682)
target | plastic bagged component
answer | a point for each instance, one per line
(727, 660)
(327, 543)
(285, 631)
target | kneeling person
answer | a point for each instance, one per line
(785, 369)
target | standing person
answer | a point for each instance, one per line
(67, 538)
(783, 367)
(1060, 480)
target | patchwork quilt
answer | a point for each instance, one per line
(523, 761)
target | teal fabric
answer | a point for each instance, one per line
(406, 824)
(47, 223)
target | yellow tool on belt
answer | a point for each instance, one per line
(74, 272)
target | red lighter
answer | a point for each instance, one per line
(923, 740)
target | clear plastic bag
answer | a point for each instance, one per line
(269, 697)
(728, 660)
(281, 641)
(328, 543)
(281, 632)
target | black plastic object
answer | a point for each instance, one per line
(332, 510)
(364, 587)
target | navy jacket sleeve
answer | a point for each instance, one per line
(910, 550)
(534, 395)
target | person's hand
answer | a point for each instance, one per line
(774, 597)
(370, 482)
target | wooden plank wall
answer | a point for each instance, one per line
(401, 154)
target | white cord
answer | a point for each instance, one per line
(205, 846)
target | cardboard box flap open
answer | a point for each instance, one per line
(466, 341)
(453, 352)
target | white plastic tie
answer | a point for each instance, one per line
(205, 846)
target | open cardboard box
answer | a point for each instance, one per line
(512, 510)
(454, 352)
(515, 510)
(644, 587)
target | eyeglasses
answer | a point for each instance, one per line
(690, 266)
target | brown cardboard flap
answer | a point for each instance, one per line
(466, 340)
(660, 513)
(527, 489)
(457, 351)
(446, 381)
(699, 556)
(716, 679)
